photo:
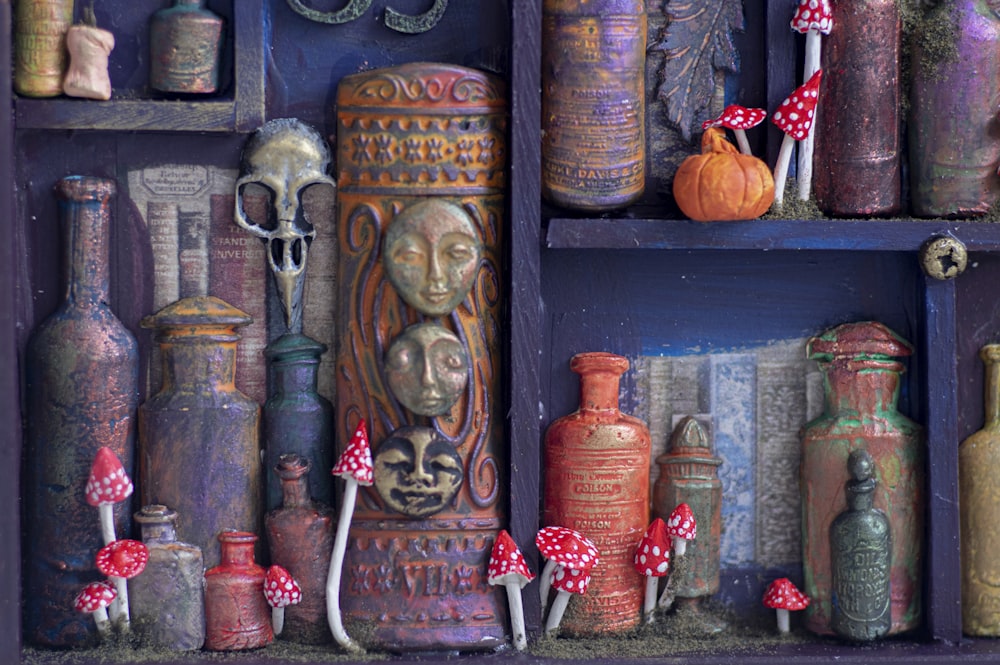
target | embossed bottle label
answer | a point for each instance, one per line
(593, 144)
(861, 581)
(40, 52)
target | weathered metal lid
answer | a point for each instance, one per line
(865, 339)
(198, 312)
(293, 347)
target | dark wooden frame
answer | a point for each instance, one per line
(944, 349)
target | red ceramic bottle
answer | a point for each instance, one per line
(862, 380)
(300, 538)
(237, 615)
(597, 483)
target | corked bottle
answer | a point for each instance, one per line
(81, 392)
(953, 143)
(300, 539)
(979, 485)
(593, 103)
(858, 118)
(862, 381)
(237, 616)
(597, 483)
(297, 419)
(168, 598)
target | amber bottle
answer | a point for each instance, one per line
(81, 392)
(167, 600)
(979, 485)
(300, 539)
(862, 380)
(597, 483)
(858, 119)
(237, 615)
(593, 102)
(199, 434)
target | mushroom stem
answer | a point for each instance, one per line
(807, 148)
(741, 141)
(781, 169)
(680, 546)
(106, 512)
(666, 600)
(556, 612)
(783, 622)
(119, 606)
(516, 615)
(277, 620)
(545, 583)
(649, 600)
(101, 621)
(337, 567)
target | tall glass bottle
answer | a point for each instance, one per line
(858, 121)
(593, 102)
(81, 393)
(167, 600)
(199, 433)
(300, 539)
(862, 379)
(597, 483)
(184, 48)
(40, 56)
(954, 146)
(978, 486)
(237, 616)
(297, 419)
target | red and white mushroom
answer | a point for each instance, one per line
(94, 599)
(682, 527)
(281, 591)
(813, 18)
(571, 556)
(107, 485)
(794, 117)
(652, 559)
(355, 467)
(508, 568)
(783, 596)
(122, 560)
(739, 119)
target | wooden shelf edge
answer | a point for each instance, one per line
(126, 115)
(862, 235)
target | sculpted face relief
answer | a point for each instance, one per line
(432, 255)
(427, 369)
(417, 472)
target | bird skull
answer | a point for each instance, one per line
(284, 157)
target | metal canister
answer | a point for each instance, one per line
(40, 56)
(597, 483)
(184, 43)
(423, 143)
(593, 102)
(858, 120)
(689, 473)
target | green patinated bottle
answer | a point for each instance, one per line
(860, 550)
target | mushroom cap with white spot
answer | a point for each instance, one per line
(108, 483)
(813, 15)
(570, 580)
(279, 587)
(95, 596)
(122, 558)
(781, 594)
(507, 563)
(652, 556)
(356, 460)
(567, 547)
(681, 523)
(795, 115)
(735, 116)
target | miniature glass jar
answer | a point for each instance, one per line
(237, 616)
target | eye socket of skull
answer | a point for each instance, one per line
(257, 202)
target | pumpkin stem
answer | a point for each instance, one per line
(714, 140)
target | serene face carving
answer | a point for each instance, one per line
(432, 256)
(427, 369)
(417, 472)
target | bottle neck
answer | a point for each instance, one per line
(237, 548)
(157, 524)
(599, 391)
(864, 387)
(192, 361)
(295, 492)
(296, 377)
(85, 217)
(991, 387)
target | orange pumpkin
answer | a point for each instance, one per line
(722, 184)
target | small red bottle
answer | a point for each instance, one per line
(237, 616)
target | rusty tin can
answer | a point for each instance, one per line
(199, 434)
(40, 56)
(689, 473)
(237, 616)
(597, 482)
(81, 393)
(593, 103)
(410, 137)
(300, 539)
(184, 42)
(862, 380)
(859, 118)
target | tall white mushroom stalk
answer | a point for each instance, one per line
(813, 18)
(794, 117)
(508, 568)
(355, 467)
